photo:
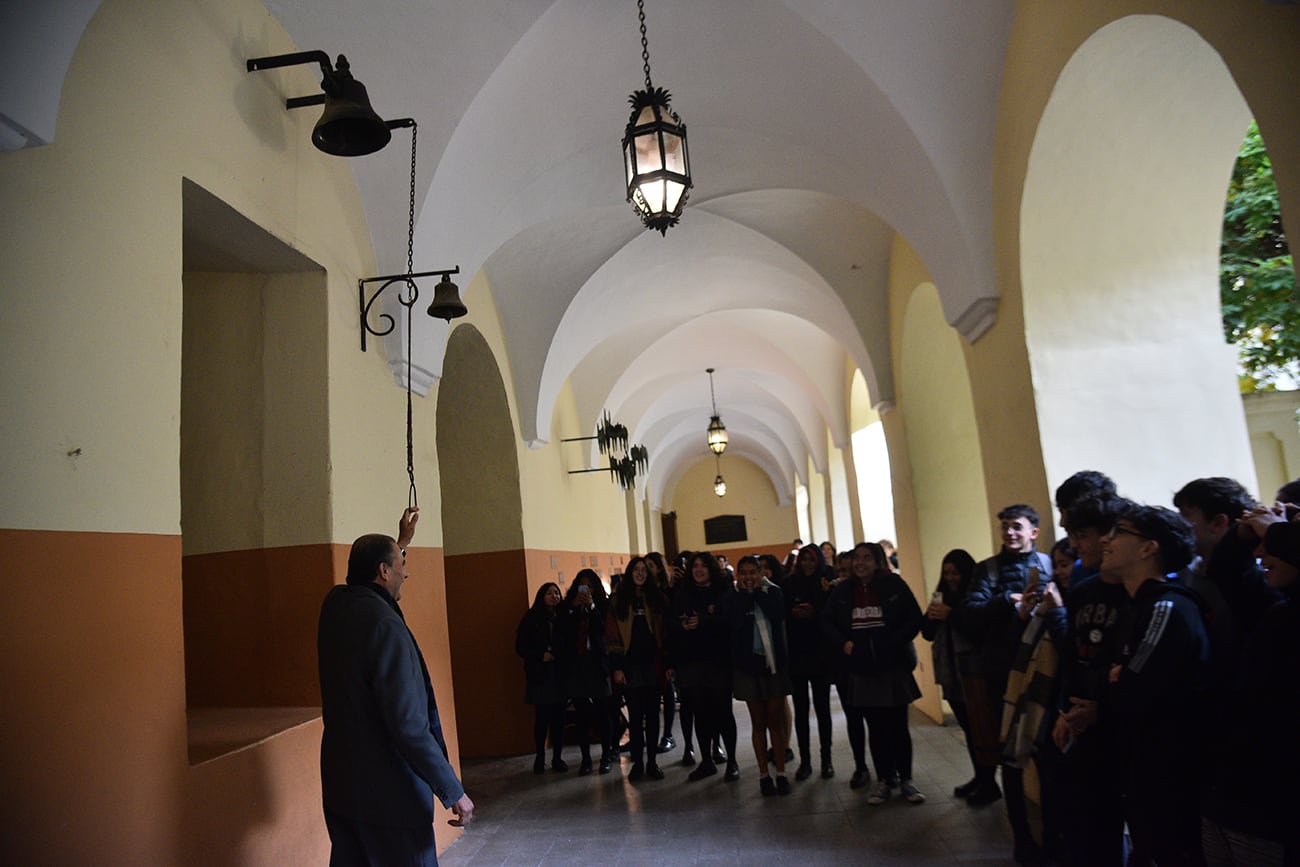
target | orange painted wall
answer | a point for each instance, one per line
(93, 752)
(249, 639)
(487, 594)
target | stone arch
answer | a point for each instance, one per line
(943, 441)
(1120, 226)
(483, 545)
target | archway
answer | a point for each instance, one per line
(483, 545)
(1120, 225)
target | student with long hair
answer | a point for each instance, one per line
(872, 619)
(535, 641)
(586, 665)
(948, 644)
(810, 664)
(756, 615)
(634, 638)
(660, 574)
(700, 645)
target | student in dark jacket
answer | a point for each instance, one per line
(699, 641)
(989, 619)
(872, 619)
(760, 661)
(585, 663)
(1156, 689)
(536, 641)
(1246, 818)
(954, 583)
(810, 662)
(634, 638)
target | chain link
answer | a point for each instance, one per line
(412, 496)
(645, 46)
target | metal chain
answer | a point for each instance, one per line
(412, 496)
(645, 46)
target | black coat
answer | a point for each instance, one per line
(887, 648)
(383, 758)
(536, 636)
(738, 607)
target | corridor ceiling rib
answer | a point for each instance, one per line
(819, 130)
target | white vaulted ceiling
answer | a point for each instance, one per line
(818, 129)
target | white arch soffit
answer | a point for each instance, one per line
(847, 246)
(1122, 211)
(655, 285)
(515, 161)
(37, 43)
(764, 423)
(658, 486)
(768, 400)
(755, 409)
(751, 367)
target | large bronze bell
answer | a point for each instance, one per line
(446, 301)
(348, 127)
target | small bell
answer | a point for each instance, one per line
(446, 301)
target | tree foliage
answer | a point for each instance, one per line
(1257, 281)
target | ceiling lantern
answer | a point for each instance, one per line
(655, 158)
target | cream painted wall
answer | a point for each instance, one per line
(749, 493)
(843, 537)
(254, 428)
(1274, 438)
(561, 512)
(1120, 227)
(818, 515)
(1260, 45)
(947, 472)
(93, 362)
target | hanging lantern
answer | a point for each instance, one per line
(655, 159)
(717, 433)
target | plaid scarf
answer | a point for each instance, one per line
(1030, 692)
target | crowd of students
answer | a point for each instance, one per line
(1149, 667)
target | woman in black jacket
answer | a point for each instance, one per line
(872, 619)
(634, 637)
(810, 664)
(535, 641)
(948, 644)
(699, 643)
(586, 665)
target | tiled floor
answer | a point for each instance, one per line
(564, 819)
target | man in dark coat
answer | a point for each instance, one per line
(383, 756)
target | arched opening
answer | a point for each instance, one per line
(483, 545)
(1120, 225)
(871, 465)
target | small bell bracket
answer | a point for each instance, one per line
(407, 299)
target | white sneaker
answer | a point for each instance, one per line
(880, 793)
(911, 793)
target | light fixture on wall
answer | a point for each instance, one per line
(655, 159)
(611, 439)
(719, 484)
(348, 127)
(717, 432)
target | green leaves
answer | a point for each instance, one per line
(1257, 281)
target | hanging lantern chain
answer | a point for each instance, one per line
(645, 45)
